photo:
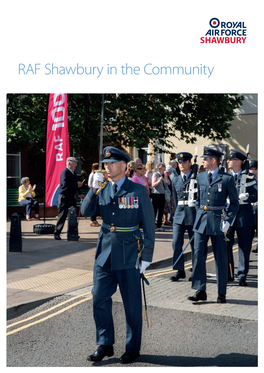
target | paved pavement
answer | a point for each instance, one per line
(47, 268)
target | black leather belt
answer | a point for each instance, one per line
(211, 207)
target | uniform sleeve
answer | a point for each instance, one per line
(234, 202)
(174, 194)
(253, 194)
(89, 205)
(198, 195)
(148, 224)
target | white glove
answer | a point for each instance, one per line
(243, 196)
(98, 177)
(143, 266)
(192, 203)
(225, 226)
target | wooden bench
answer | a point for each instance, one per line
(14, 206)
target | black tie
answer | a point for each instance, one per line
(184, 178)
(210, 177)
(235, 177)
(115, 188)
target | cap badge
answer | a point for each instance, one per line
(181, 155)
(108, 153)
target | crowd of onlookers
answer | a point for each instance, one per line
(158, 180)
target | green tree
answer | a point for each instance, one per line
(142, 117)
(129, 120)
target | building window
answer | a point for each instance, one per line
(13, 170)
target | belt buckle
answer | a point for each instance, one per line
(112, 228)
(205, 208)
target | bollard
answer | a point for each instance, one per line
(15, 240)
(72, 233)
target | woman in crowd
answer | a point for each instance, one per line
(139, 177)
(159, 179)
(95, 166)
(150, 169)
(130, 170)
(169, 205)
(26, 195)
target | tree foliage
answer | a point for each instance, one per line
(129, 120)
(142, 117)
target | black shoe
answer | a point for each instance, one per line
(179, 274)
(101, 352)
(190, 278)
(255, 250)
(242, 282)
(199, 295)
(230, 279)
(190, 269)
(57, 237)
(221, 298)
(128, 357)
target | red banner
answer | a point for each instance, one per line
(57, 145)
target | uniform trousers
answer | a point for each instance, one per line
(105, 285)
(65, 203)
(177, 243)
(199, 261)
(29, 203)
(244, 247)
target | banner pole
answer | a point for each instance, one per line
(46, 158)
(101, 134)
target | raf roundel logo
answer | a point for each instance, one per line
(214, 22)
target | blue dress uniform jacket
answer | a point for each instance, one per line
(207, 224)
(184, 217)
(116, 257)
(215, 194)
(183, 213)
(245, 215)
(243, 224)
(122, 246)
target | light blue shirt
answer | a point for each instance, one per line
(187, 175)
(119, 183)
(238, 173)
(214, 172)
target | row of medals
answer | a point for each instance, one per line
(128, 203)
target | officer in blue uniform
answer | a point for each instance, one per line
(122, 205)
(184, 215)
(214, 186)
(253, 168)
(244, 220)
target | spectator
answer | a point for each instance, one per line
(130, 170)
(95, 166)
(201, 169)
(139, 177)
(68, 188)
(169, 205)
(159, 179)
(26, 195)
(175, 167)
(149, 168)
(138, 160)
